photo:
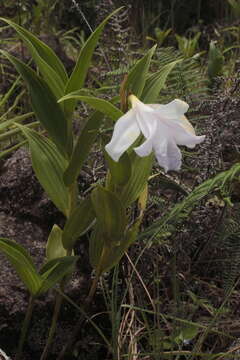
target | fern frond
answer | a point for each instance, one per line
(230, 239)
(221, 183)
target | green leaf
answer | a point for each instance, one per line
(44, 104)
(110, 214)
(7, 123)
(96, 244)
(78, 223)
(103, 257)
(215, 61)
(49, 167)
(48, 62)
(137, 76)
(141, 169)
(189, 332)
(156, 82)
(79, 73)
(120, 171)
(101, 105)
(22, 263)
(82, 147)
(115, 254)
(54, 247)
(55, 270)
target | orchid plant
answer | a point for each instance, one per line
(58, 157)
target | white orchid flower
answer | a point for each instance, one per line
(163, 126)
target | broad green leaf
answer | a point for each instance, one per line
(22, 263)
(49, 166)
(79, 73)
(137, 76)
(156, 82)
(46, 59)
(141, 169)
(78, 223)
(82, 147)
(110, 215)
(120, 171)
(55, 270)
(54, 247)
(101, 105)
(45, 106)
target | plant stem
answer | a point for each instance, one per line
(78, 326)
(53, 326)
(57, 307)
(25, 327)
(59, 298)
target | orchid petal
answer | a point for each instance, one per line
(168, 155)
(187, 125)
(148, 127)
(171, 111)
(183, 137)
(125, 132)
(145, 149)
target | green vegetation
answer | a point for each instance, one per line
(163, 249)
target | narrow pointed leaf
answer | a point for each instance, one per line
(49, 167)
(101, 105)
(41, 53)
(137, 76)
(55, 270)
(156, 82)
(79, 73)
(44, 104)
(83, 147)
(78, 223)
(22, 263)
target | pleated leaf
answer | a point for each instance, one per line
(101, 105)
(141, 169)
(82, 148)
(79, 73)
(96, 244)
(104, 257)
(48, 62)
(120, 171)
(49, 166)
(110, 215)
(22, 263)
(78, 223)
(137, 76)
(44, 104)
(156, 82)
